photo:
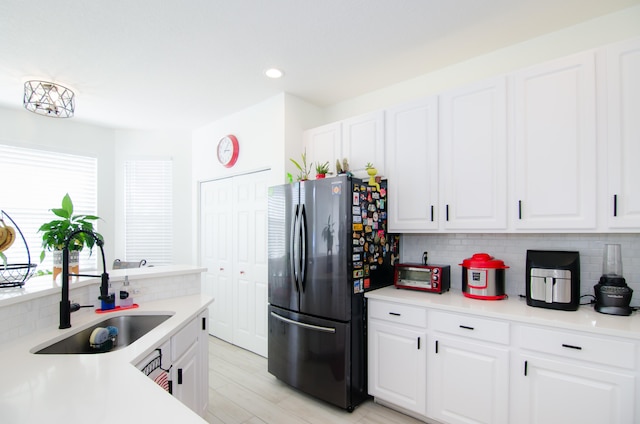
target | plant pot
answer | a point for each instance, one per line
(74, 262)
(320, 176)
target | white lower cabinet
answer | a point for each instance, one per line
(190, 371)
(186, 358)
(563, 377)
(397, 355)
(468, 378)
(478, 369)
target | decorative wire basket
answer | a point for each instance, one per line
(15, 275)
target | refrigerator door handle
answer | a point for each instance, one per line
(294, 248)
(302, 324)
(303, 247)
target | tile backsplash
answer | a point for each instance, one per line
(451, 249)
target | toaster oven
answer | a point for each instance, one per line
(430, 278)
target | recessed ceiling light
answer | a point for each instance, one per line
(274, 73)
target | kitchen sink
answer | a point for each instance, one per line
(130, 328)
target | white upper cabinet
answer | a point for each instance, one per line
(411, 146)
(623, 135)
(473, 147)
(323, 144)
(363, 142)
(555, 145)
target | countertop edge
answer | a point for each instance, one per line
(585, 319)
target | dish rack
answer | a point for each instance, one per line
(15, 275)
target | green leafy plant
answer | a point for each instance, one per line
(55, 232)
(303, 170)
(322, 168)
(369, 165)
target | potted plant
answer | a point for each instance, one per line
(322, 169)
(56, 231)
(303, 170)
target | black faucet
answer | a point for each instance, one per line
(65, 304)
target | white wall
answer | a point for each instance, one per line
(591, 34)
(22, 128)
(111, 147)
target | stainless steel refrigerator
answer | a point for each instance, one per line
(328, 244)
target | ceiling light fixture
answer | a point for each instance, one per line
(49, 99)
(274, 73)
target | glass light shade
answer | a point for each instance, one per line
(49, 99)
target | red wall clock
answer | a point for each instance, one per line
(228, 150)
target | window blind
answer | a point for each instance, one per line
(149, 211)
(34, 181)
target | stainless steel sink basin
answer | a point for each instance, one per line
(130, 328)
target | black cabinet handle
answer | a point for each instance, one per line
(179, 375)
(204, 323)
(615, 205)
(446, 208)
(395, 314)
(526, 364)
(436, 346)
(519, 209)
(568, 346)
(466, 327)
(431, 213)
(418, 343)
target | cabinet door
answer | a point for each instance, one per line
(555, 145)
(411, 146)
(186, 374)
(323, 144)
(473, 144)
(550, 391)
(397, 365)
(363, 142)
(468, 382)
(249, 281)
(623, 138)
(216, 253)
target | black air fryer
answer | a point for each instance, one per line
(612, 293)
(553, 279)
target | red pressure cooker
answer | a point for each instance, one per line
(483, 277)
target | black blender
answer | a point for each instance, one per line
(613, 296)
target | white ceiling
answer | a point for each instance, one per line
(180, 64)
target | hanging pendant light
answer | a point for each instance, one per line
(49, 99)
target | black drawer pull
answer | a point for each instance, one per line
(571, 346)
(466, 327)
(395, 314)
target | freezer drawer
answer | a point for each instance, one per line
(311, 354)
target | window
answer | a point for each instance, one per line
(148, 211)
(34, 181)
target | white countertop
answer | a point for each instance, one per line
(43, 286)
(516, 309)
(94, 388)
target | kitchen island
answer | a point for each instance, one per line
(104, 387)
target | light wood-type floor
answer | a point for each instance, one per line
(242, 391)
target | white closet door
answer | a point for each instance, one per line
(250, 262)
(216, 253)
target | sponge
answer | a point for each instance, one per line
(98, 337)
